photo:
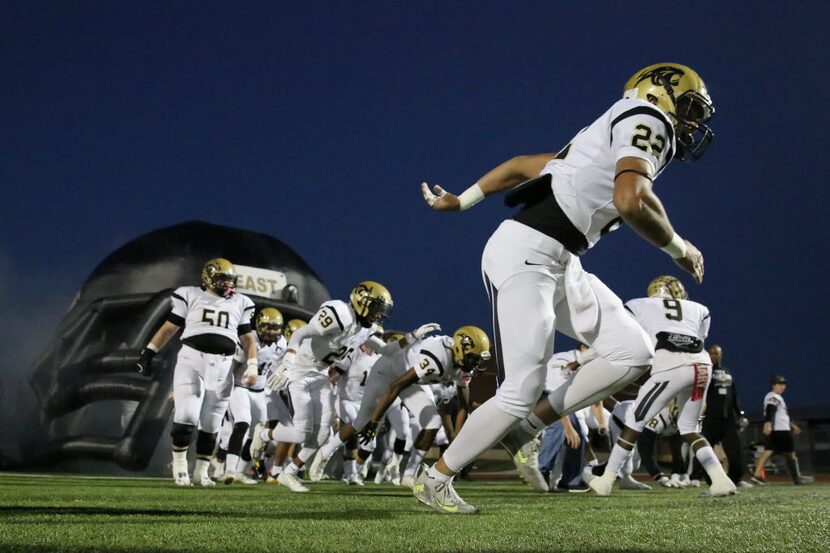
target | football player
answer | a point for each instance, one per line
(214, 316)
(248, 401)
(401, 373)
(681, 371)
(337, 329)
(531, 265)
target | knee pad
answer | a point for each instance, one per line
(205, 442)
(400, 446)
(181, 435)
(351, 443)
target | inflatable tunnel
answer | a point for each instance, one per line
(92, 406)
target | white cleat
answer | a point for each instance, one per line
(182, 479)
(258, 445)
(205, 481)
(408, 480)
(354, 479)
(440, 496)
(291, 482)
(318, 467)
(218, 468)
(602, 485)
(588, 474)
(380, 475)
(629, 483)
(722, 488)
(393, 474)
(240, 477)
(527, 463)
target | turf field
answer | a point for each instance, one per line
(75, 514)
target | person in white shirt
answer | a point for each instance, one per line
(779, 430)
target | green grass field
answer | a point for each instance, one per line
(75, 514)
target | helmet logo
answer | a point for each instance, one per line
(665, 74)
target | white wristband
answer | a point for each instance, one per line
(676, 247)
(252, 364)
(152, 346)
(470, 197)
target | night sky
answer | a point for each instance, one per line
(316, 122)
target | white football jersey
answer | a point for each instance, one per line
(205, 313)
(358, 366)
(584, 170)
(341, 334)
(782, 417)
(684, 317)
(268, 358)
(433, 361)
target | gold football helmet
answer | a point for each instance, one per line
(371, 302)
(219, 275)
(470, 349)
(269, 323)
(292, 326)
(393, 336)
(679, 92)
(666, 286)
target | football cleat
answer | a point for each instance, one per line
(258, 445)
(408, 480)
(759, 480)
(602, 485)
(393, 474)
(722, 487)
(182, 479)
(440, 496)
(205, 481)
(380, 475)
(218, 468)
(318, 467)
(629, 483)
(526, 460)
(354, 479)
(240, 477)
(291, 482)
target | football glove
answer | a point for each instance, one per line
(278, 380)
(145, 361)
(420, 332)
(250, 375)
(368, 433)
(666, 482)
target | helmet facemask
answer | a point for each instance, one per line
(693, 135)
(376, 311)
(223, 284)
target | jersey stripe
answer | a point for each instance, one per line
(336, 317)
(178, 297)
(494, 303)
(437, 362)
(654, 112)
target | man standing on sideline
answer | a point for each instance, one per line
(724, 418)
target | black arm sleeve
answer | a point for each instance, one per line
(645, 447)
(769, 412)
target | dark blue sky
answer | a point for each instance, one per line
(316, 122)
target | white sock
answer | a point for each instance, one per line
(265, 435)
(349, 467)
(275, 470)
(179, 462)
(415, 458)
(331, 445)
(291, 469)
(306, 453)
(395, 460)
(619, 455)
(243, 466)
(706, 456)
(440, 476)
(201, 469)
(231, 463)
(485, 426)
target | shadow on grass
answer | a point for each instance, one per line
(354, 514)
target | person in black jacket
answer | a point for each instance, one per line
(724, 418)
